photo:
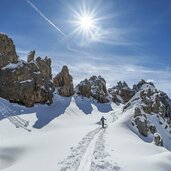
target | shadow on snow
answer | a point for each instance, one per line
(46, 114)
(85, 105)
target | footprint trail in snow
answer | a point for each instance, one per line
(101, 161)
(90, 155)
(72, 162)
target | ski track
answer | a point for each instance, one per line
(72, 162)
(101, 161)
(16, 120)
(85, 163)
(90, 154)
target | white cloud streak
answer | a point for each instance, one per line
(115, 36)
(44, 17)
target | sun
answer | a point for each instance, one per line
(86, 25)
(86, 22)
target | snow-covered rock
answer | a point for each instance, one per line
(141, 124)
(150, 112)
(158, 139)
(121, 93)
(94, 87)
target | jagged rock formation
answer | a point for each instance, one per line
(152, 128)
(25, 83)
(141, 124)
(7, 51)
(121, 93)
(137, 112)
(44, 66)
(30, 57)
(151, 111)
(64, 82)
(94, 87)
(137, 87)
(152, 100)
(158, 139)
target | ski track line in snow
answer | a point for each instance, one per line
(72, 162)
(16, 120)
(101, 161)
(90, 154)
(85, 163)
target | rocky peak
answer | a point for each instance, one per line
(64, 82)
(31, 55)
(151, 110)
(93, 87)
(142, 85)
(23, 82)
(152, 100)
(121, 93)
(44, 67)
(7, 51)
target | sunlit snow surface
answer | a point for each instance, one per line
(66, 136)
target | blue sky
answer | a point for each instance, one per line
(132, 39)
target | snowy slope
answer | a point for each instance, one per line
(66, 137)
(131, 152)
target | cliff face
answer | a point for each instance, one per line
(22, 82)
(64, 82)
(7, 51)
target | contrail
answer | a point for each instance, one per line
(42, 15)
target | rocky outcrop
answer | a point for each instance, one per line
(7, 51)
(157, 139)
(84, 88)
(64, 82)
(166, 103)
(44, 66)
(152, 101)
(141, 124)
(137, 87)
(94, 87)
(152, 128)
(150, 110)
(30, 57)
(25, 84)
(22, 82)
(121, 93)
(137, 112)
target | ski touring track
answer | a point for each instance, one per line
(90, 154)
(6, 112)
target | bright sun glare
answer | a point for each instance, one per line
(86, 22)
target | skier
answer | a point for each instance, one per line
(102, 121)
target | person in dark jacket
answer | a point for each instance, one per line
(102, 121)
